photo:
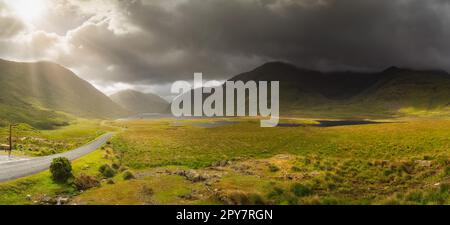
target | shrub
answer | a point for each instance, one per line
(276, 192)
(416, 197)
(110, 181)
(256, 199)
(107, 171)
(273, 168)
(127, 175)
(115, 166)
(61, 169)
(296, 169)
(280, 196)
(84, 182)
(147, 191)
(301, 190)
(242, 198)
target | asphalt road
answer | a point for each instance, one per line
(16, 168)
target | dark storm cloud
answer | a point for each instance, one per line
(224, 37)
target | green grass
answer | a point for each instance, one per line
(155, 143)
(15, 192)
(164, 189)
(365, 164)
(29, 141)
(404, 161)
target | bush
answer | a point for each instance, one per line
(61, 169)
(416, 197)
(273, 168)
(107, 171)
(447, 171)
(127, 175)
(115, 166)
(242, 198)
(276, 192)
(296, 169)
(147, 191)
(301, 190)
(84, 182)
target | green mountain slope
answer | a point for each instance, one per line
(138, 102)
(391, 92)
(33, 92)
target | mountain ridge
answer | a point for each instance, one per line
(49, 88)
(139, 102)
(390, 92)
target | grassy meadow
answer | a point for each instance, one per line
(29, 141)
(397, 161)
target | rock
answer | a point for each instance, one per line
(423, 163)
(180, 173)
(62, 201)
(46, 200)
(28, 197)
(282, 156)
(188, 197)
(192, 175)
(447, 162)
(223, 163)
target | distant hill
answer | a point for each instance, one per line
(138, 102)
(34, 92)
(391, 92)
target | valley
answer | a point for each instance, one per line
(173, 161)
(342, 138)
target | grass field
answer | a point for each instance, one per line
(28, 141)
(403, 161)
(35, 188)
(400, 162)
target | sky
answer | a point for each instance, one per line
(148, 44)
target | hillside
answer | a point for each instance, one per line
(138, 102)
(33, 92)
(391, 92)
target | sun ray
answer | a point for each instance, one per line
(27, 10)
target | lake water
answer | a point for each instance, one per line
(215, 124)
(330, 123)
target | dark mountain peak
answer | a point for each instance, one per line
(395, 69)
(139, 102)
(278, 71)
(281, 67)
(277, 64)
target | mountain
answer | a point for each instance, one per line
(392, 92)
(35, 93)
(138, 102)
